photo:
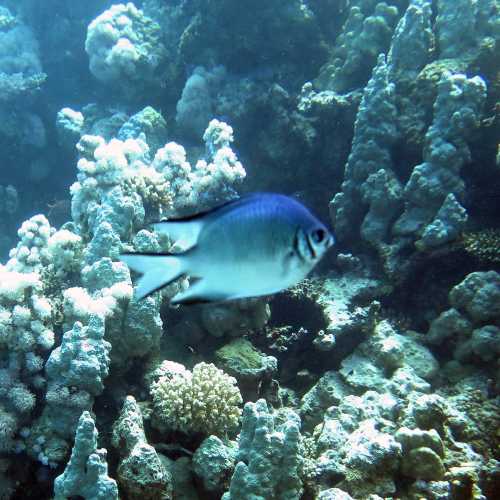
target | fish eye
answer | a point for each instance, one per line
(318, 235)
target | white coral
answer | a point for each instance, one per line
(124, 46)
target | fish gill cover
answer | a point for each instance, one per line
(377, 376)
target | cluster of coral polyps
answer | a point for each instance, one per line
(205, 400)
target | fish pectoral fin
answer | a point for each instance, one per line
(158, 270)
(198, 293)
(183, 233)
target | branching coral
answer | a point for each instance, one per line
(205, 400)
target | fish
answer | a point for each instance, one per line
(256, 245)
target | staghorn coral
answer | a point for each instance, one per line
(205, 400)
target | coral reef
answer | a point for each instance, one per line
(9, 205)
(214, 462)
(75, 372)
(251, 368)
(425, 212)
(378, 376)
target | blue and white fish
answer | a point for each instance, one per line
(257, 245)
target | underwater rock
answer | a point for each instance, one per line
(361, 373)
(370, 156)
(393, 350)
(463, 26)
(75, 373)
(478, 296)
(385, 411)
(195, 108)
(411, 45)
(412, 48)
(270, 49)
(471, 324)
(182, 478)
(457, 111)
(236, 318)
(423, 463)
(20, 67)
(334, 494)
(101, 121)
(347, 322)
(422, 454)
(356, 435)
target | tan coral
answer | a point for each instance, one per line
(206, 400)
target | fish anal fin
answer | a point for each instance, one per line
(197, 293)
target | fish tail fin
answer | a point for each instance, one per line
(158, 270)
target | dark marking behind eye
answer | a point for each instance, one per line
(313, 253)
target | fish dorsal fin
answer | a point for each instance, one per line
(184, 231)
